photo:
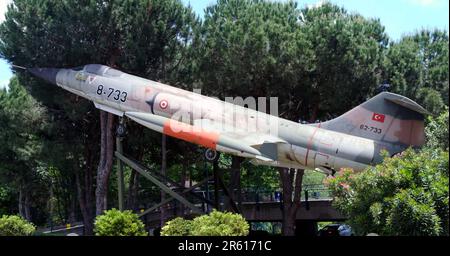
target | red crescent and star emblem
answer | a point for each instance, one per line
(378, 117)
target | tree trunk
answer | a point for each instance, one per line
(163, 173)
(315, 109)
(24, 204)
(132, 190)
(106, 161)
(89, 198)
(27, 205)
(84, 207)
(21, 207)
(133, 184)
(72, 211)
(183, 178)
(234, 187)
(291, 181)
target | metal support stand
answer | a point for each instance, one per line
(306, 200)
(163, 182)
(218, 182)
(216, 185)
(120, 180)
(207, 196)
(158, 183)
(170, 199)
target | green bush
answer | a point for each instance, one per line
(219, 224)
(404, 195)
(13, 225)
(119, 223)
(436, 131)
(215, 224)
(412, 213)
(176, 227)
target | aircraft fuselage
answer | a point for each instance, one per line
(287, 144)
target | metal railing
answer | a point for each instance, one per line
(309, 191)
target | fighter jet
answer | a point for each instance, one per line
(355, 139)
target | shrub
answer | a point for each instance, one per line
(219, 224)
(119, 223)
(13, 225)
(176, 227)
(404, 195)
(412, 213)
(215, 224)
(436, 131)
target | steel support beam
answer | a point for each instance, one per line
(155, 181)
(169, 181)
(120, 180)
(226, 192)
(170, 199)
(216, 185)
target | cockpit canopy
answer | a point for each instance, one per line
(99, 69)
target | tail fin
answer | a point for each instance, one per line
(387, 117)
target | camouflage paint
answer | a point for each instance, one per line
(354, 140)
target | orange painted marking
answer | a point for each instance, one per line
(187, 133)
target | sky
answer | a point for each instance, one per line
(399, 17)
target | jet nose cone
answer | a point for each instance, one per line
(48, 74)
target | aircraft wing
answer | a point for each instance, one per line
(212, 135)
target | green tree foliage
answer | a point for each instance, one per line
(116, 223)
(22, 120)
(251, 48)
(436, 131)
(417, 67)
(313, 177)
(404, 195)
(7, 198)
(146, 38)
(259, 178)
(214, 224)
(12, 225)
(346, 64)
(22, 125)
(318, 61)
